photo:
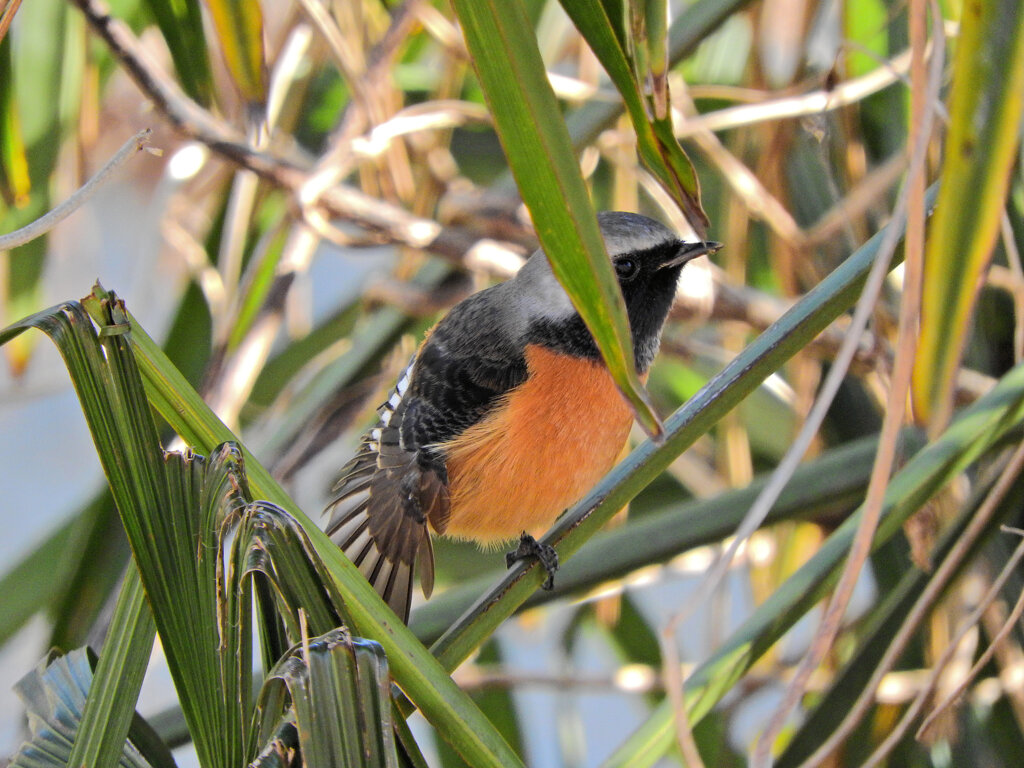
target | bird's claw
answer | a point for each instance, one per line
(545, 554)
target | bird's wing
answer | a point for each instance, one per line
(397, 482)
(383, 499)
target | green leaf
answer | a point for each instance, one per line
(497, 702)
(985, 105)
(157, 502)
(264, 278)
(47, 66)
(14, 178)
(181, 23)
(54, 695)
(96, 560)
(283, 366)
(270, 544)
(110, 705)
(656, 142)
(239, 25)
(865, 26)
(422, 679)
(696, 22)
(187, 607)
(539, 152)
(340, 691)
(33, 583)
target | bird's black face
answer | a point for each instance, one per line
(648, 281)
(647, 258)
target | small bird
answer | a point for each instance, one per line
(505, 417)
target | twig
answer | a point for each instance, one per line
(49, 220)
(336, 164)
(1009, 659)
(430, 115)
(637, 679)
(7, 16)
(344, 56)
(672, 673)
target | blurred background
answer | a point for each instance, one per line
(291, 281)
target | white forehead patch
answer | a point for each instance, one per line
(624, 232)
(541, 295)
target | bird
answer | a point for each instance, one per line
(505, 416)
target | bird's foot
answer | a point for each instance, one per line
(545, 554)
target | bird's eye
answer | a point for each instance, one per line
(627, 268)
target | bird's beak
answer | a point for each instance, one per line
(689, 251)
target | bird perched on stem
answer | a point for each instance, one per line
(506, 416)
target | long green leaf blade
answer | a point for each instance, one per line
(14, 179)
(539, 152)
(181, 24)
(157, 506)
(986, 106)
(239, 25)
(32, 583)
(696, 22)
(48, 58)
(110, 705)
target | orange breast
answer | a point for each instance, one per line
(538, 452)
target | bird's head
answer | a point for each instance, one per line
(647, 257)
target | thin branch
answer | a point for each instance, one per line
(49, 220)
(631, 678)
(674, 677)
(814, 103)
(345, 57)
(337, 162)
(391, 222)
